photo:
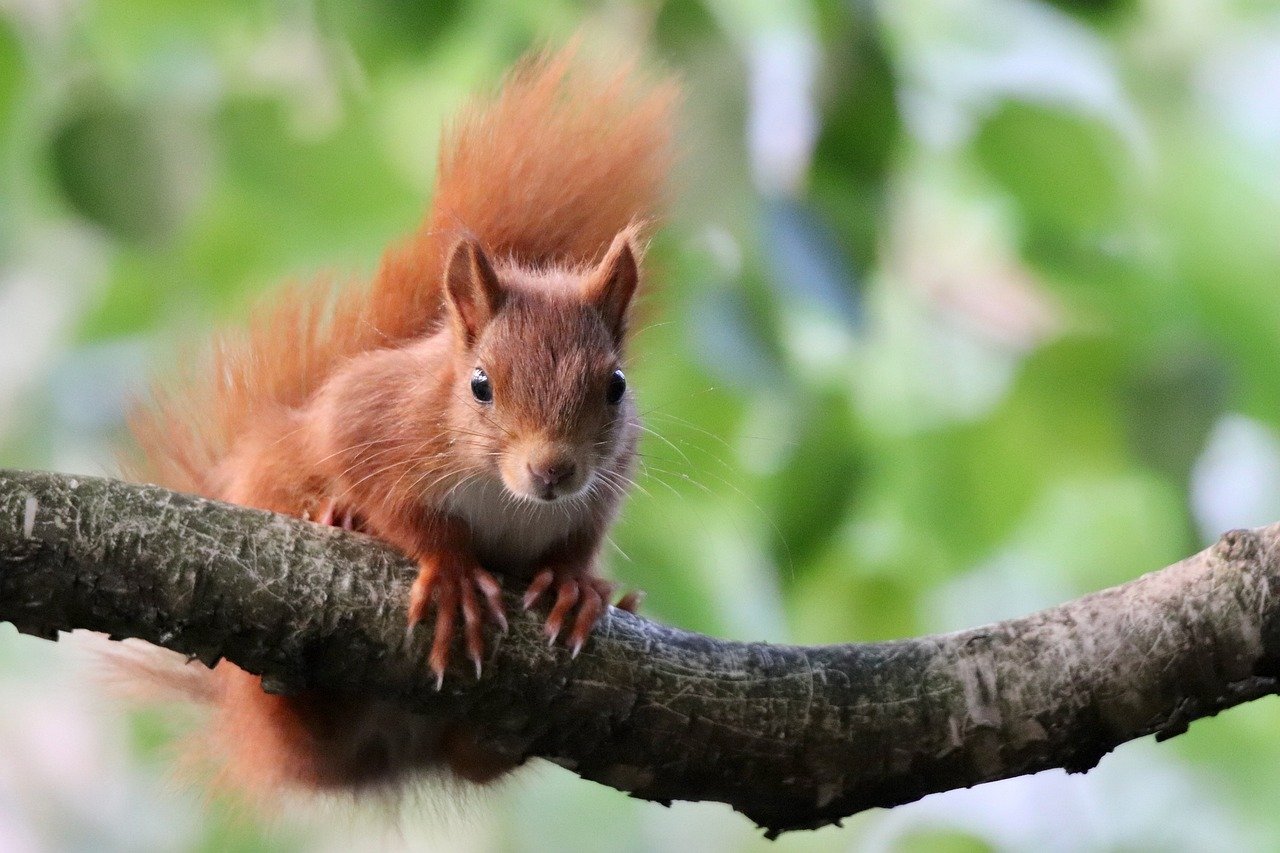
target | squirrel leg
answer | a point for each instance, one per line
(455, 586)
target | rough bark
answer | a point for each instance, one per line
(792, 737)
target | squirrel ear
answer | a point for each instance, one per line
(612, 284)
(472, 290)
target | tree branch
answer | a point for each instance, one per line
(792, 737)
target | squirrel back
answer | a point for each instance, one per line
(545, 172)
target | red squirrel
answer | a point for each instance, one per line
(467, 406)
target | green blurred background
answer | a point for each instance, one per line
(966, 308)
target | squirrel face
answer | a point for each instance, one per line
(540, 384)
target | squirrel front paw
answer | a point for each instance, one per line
(586, 595)
(455, 586)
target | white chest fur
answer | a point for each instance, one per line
(509, 533)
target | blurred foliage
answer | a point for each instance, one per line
(964, 308)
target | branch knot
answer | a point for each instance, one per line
(1240, 547)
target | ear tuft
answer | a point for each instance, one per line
(612, 285)
(472, 290)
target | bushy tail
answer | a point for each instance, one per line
(548, 170)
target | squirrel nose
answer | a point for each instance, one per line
(548, 475)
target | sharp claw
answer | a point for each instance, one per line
(439, 679)
(419, 601)
(590, 606)
(492, 593)
(536, 588)
(567, 598)
(477, 663)
(577, 647)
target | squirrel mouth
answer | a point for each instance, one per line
(552, 492)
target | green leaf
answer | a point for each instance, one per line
(837, 604)
(1220, 214)
(12, 77)
(1098, 12)
(382, 31)
(290, 201)
(970, 485)
(134, 301)
(825, 468)
(1060, 167)
(108, 163)
(1182, 390)
(859, 140)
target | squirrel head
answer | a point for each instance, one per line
(537, 356)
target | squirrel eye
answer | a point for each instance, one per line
(480, 387)
(617, 387)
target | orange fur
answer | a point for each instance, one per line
(358, 407)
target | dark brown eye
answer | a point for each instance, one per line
(480, 387)
(617, 387)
